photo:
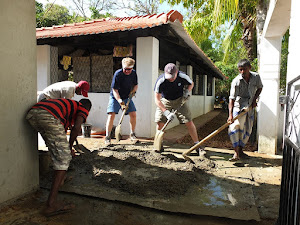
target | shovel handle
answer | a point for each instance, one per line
(245, 110)
(126, 107)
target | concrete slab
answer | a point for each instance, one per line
(212, 194)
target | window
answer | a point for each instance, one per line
(198, 85)
(209, 85)
(97, 70)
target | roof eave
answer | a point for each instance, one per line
(179, 29)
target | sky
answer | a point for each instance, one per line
(164, 7)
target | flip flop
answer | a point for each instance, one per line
(234, 159)
(60, 210)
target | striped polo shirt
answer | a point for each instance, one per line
(66, 110)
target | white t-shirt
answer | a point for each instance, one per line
(64, 89)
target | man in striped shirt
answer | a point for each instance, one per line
(51, 118)
(169, 93)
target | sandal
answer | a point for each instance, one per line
(234, 159)
(59, 210)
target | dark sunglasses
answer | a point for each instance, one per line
(127, 69)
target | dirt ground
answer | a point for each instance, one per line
(221, 140)
(136, 170)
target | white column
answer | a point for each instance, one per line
(147, 65)
(268, 113)
(205, 108)
(294, 45)
(43, 66)
(189, 71)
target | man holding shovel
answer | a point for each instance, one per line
(124, 84)
(245, 89)
(170, 91)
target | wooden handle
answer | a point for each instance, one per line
(215, 132)
(125, 110)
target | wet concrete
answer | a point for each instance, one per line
(227, 191)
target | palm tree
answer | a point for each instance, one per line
(237, 16)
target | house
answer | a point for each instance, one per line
(94, 50)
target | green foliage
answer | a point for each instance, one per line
(54, 14)
(229, 20)
(95, 13)
(223, 86)
(51, 15)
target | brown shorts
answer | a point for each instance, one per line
(54, 135)
(183, 114)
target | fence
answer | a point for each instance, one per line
(289, 209)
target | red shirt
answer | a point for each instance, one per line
(66, 110)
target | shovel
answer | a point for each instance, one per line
(118, 128)
(160, 133)
(186, 153)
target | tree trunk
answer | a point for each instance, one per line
(261, 14)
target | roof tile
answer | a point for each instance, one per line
(108, 25)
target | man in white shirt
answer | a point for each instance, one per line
(64, 89)
(244, 92)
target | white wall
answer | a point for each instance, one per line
(269, 98)
(277, 22)
(97, 116)
(144, 102)
(294, 45)
(43, 66)
(18, 152)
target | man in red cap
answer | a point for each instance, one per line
(64, 89)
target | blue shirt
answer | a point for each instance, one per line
(123, 83)
(172, 90)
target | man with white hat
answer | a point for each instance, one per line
(124, 83)
(170, 89)
(64, 89)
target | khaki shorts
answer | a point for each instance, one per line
(183, 114)
(54, 135)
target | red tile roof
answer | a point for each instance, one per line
(174, 18)
(108, 25)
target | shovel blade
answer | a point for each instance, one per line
(158, 140)
(118, 132)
